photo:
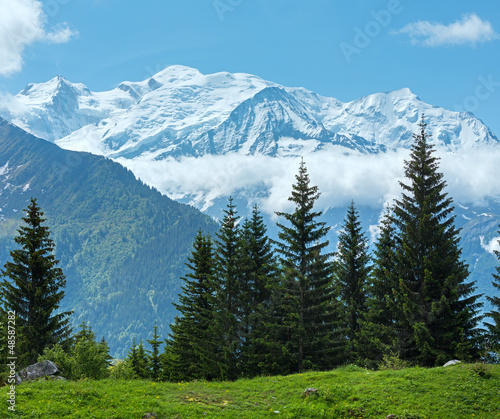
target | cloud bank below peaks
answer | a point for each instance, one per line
(370, 180)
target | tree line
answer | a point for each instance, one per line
(250, 305)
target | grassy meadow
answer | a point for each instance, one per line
(461, 391)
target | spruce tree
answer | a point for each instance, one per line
(306, 295)
(258, 274)
(33, 287)
(494, 314)
(351, 269)
(138, 360)
(379, 335)
(154, 359)
(226, 326)
(437, 309)
(190, 351)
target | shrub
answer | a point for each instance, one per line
(392, 362)
(85, 358)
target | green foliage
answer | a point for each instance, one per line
(351, 270)
(258, 279)
(354, 393)
(154, 359)
(138, 361)
(114, 236)
(436, 311)
(307, 313)
(227, 295)
(33, 288)
(121, 371)
(85, 357)
(392, 362)
(190, 352)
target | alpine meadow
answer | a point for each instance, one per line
(249, 209)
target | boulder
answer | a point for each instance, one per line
(452, 362)
(40, 369)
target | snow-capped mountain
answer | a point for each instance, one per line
(201, 138)
(181, 112)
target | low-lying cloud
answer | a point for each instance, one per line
(22, 23)
(491, 246)
(470, 30)
(370, 180)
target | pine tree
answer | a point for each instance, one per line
(33, 287)
(494, 314)
(154, 359)
(351, 271)
(228, 289)
(438, 313)
(189, 353)
(306, 286)
(258, 274)
(379, 335)
(138, 360)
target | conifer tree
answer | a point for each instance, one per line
(438, 311)
(258, 274)
(189, 353)
(155, 354)
(351, 269)
(494, 314)
(306, 295)
(228, 293)
(379, 335)
(33, 287)
(138, 360)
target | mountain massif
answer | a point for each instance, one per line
(186, 134)
(121, 244)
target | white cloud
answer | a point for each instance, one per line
(370, 180)
(22, 23)
(470, 30)
(491, 246)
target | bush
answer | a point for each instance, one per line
(392, 362)
(85, 357)
(121, 371)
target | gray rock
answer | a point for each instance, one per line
(40, 369)
(452, 362)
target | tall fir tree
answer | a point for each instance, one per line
(189, 352)
(307, 314)
(379, 335)
(494, 314)
(33, 287)
(258, 275)
(226, 327)
(351, 270)
(437, 316)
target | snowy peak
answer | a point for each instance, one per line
(180, 111)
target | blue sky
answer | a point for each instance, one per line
(446, 52)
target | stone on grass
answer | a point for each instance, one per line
(452, 362)
(38, 370)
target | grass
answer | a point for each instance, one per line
(461, 391)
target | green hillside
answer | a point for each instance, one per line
(461, 391)
(122, 245)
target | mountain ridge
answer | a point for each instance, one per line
(180, 111)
